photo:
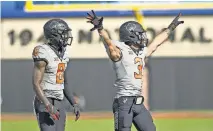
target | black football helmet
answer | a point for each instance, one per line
(132, 32)
(58, 33)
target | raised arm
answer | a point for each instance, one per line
(163, 36)
(114, 51)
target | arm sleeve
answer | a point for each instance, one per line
(39, 54)
(68, 91)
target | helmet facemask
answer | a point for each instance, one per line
(61, 39)
(142, 39)
(65, 37)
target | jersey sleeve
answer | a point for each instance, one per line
(39, 54)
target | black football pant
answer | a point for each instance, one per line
(126, 112)
(45, 121)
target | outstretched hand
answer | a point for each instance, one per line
(175, 23)
(93, 19)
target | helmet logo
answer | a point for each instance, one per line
(56, 25)
(61, 26)
(130, 27)
(53, 24)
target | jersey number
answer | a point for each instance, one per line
(60, 73)
(138, 75)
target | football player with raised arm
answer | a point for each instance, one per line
(128, 57)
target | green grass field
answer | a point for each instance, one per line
(107, 125)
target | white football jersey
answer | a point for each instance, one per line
(53, 79)
(129, 71)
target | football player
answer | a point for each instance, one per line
(50, 80)
(128, 58)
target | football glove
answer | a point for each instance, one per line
(97, 22)
(54, 112)
(175, 23)
(76, 111)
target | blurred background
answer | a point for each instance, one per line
(178, 78)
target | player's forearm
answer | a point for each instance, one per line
(114, 52)
(68, 95)
(105, 37)
(67, 91)
(40, 94)
(164, 35)
(158, 40)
